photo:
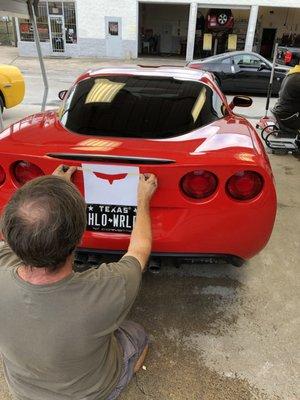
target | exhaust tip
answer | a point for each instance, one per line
(154, 266)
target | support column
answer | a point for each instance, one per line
(251, 28)
(32, 15)
(191, 32)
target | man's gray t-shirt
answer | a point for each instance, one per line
(57, 340)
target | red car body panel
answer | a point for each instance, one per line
(215, 225)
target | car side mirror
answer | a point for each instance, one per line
(62, 94)
(262, 67)
(240, 101)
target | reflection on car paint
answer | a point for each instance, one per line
(218, 142)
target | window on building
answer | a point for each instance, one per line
(70, 22)
(66, 10)
(26, 28)
(55, 7)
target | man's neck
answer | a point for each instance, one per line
(42, 276)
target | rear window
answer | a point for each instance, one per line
(139, 106)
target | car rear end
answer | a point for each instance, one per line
(216, 198)
(289, 56)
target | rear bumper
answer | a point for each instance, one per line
(239, 230)
(179, 257)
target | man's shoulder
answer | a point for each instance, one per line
(8, 258)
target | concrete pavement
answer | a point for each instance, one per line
(216, 332)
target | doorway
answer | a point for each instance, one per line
(57, 34)
(163, 29)
(267, 42)
(113, 37)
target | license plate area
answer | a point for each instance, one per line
(110, 218)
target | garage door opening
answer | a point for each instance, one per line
(163, 30)
(219, 30)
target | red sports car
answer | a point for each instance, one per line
(216, 197)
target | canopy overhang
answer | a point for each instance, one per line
(17, 8)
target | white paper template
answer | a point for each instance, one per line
(110, 184)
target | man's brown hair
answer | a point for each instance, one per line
(44, 221)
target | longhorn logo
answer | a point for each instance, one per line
(110, 178)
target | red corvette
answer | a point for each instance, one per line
(216, 197)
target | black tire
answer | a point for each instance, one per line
(1, 104)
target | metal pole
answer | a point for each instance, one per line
(39, 51)
(191, 32)
(216, 45)
(271, 79)
(14, 20)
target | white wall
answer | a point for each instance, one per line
(98, 10)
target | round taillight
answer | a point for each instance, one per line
(244, 185)
(25, 171)
(2, 175)
(199, 184)
(288, 55)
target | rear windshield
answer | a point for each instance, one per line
(139, 106)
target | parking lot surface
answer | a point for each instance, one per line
(217, 332)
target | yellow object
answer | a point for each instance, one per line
(207, 41)
(295, 70)
(199, 104)
(12, 86)
(97, 145)
(232, 42)
(103, 91)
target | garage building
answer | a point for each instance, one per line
(126, 29)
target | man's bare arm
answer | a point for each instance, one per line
(141, 236)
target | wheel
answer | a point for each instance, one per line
(1, 105)
(222, 18)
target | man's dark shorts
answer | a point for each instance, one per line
(133, 340)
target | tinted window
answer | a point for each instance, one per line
(139, 106)
(226, 61)
(247, 60)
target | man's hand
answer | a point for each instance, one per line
(146, 189)
(141, 236)
(64, 171)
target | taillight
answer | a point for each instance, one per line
(195, 66)
(2, 175)
(288, 55)
(244, 185)
(24, 171)
(199, 184)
